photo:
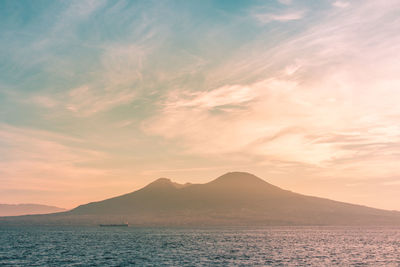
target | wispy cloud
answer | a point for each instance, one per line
(285, 2)
(317, 90)
(281, 17)
(43, 101)
(40, 160)
(341, 4)
(35, 146)
(75, 13)
(237, 118)
(390, 183)
(86, 101)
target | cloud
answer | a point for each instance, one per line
(253, 119)
(76, 12)
(233, 118)
(280, 17)
(43, 145)
(86, 100)
(44, 101)
(224, 96)
(117, 82)
(341, 4)
(285, 2)
(390, 183)
(109, 68)
(300, 101)
(32, 159)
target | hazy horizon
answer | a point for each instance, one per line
(100, 98)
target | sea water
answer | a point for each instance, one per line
(132, 246)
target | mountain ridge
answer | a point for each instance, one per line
(235, 198)
(26, 209)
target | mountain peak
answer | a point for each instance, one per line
(166, 183)
(242, 182)
(162, 180)
(238, 177)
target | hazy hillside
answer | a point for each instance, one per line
(23, 209)
(232, 199)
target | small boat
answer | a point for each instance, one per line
(114, 225)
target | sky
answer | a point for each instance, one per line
(99, 98)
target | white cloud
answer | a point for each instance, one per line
(292, 68)
(281, 17)
(341, 4)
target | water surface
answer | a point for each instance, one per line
(272, 246)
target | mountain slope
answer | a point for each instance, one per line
(235, 198)
(23, 209)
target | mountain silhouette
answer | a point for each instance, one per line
(24, 209)
(235, 198)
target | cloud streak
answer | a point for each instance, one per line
(280, 17)
(40, 160)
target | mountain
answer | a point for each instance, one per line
(235, 198)
(24, 209)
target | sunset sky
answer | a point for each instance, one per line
(99, 98)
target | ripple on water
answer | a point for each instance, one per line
(273, 246)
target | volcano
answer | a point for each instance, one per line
(235, 198)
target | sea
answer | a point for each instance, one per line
(233, 246)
